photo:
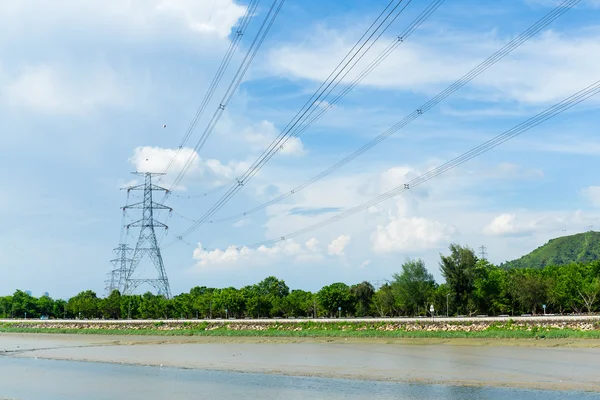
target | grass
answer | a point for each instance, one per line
(313, 330)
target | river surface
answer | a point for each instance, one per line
(32, 379)
(144, 367)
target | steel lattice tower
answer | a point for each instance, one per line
(120, 264)
(147, 245)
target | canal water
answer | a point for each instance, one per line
(32, 379)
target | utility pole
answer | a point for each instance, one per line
(147, 245)
(483, 252)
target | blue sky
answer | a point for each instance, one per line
(85, 91)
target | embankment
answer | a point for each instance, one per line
(518, 327)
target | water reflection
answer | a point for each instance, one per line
(24, 378)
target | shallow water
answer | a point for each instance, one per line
(28, 378)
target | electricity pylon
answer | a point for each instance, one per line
(115, 280)
(147, 245)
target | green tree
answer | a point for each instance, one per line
(334, 296)
(384, 301)
(299, 303)
(363, 297)
(488, 296)
(59, 309)
(153, 306)
(202, 298)
(459, 271)
(111, 306)
(6, 306)
(84, 305)
(131, 307)
(414, 287)
(183, 306)
(45, 306)
(230, 299)
(257, 302)
(23, 304)
(532, 289)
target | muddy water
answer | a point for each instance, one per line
(397, 370)
(27, 378)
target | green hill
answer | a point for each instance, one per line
(582, 247)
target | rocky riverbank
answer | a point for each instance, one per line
(329, 328)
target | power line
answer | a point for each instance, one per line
(251, 53)
(487, 63)
(551, 112)
(313, 101)
(245, 21)
(395, 43)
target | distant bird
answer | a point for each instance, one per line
(165, 125)
(146, 159)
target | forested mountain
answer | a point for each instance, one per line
(579, 248)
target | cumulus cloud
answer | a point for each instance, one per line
(337, 246)
(288, 251)
(404, 232)
(57, 89)
(545, 69)
(312, 244)
(592, 193)
(52, 72)
(508, 224)
(157, 159)
(261, 135)
(138, 17)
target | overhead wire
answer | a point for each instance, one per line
(530, 123)
(233, 45)
(250, 54)
(509, 47)
(350, 56)
(472, 74)
(197, 196)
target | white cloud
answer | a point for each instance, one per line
(545, 69)
(233, 257)
(58, 89)
(508, 224)
(365, 263)
(205, 16)
(156, 159)
(241, 222)
(137, 17)
(409, 233)
(312, 244)
(337, 246)
(261, 135)
(592, 193)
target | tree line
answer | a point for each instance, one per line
(472, 286)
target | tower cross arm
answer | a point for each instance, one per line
(145, 187)
(156, 206)
(144, 223)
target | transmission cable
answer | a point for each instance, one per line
(494, 58)
(303, 111)
(250, 9)
(251, 53)
(549, 113)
